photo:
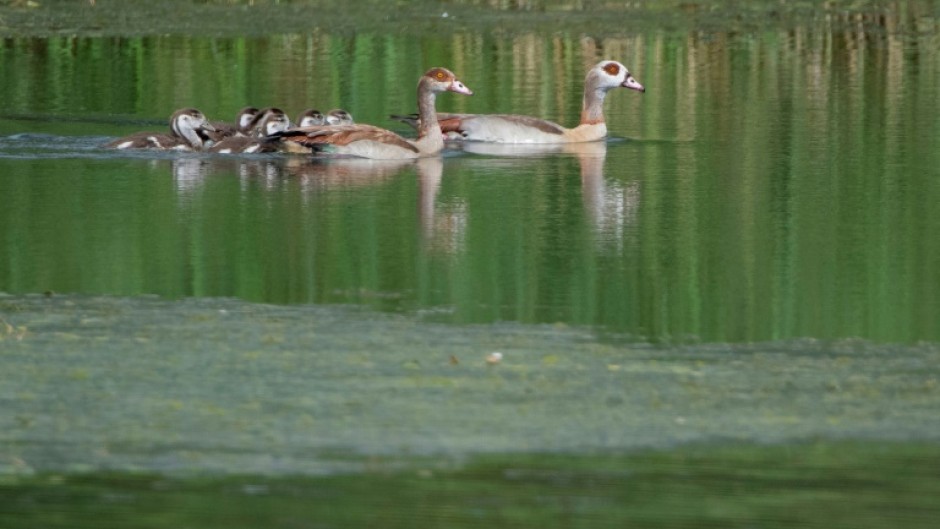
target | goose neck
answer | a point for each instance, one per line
(427, 113)
(592, 108)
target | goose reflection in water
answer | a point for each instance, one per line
(342, 172)
(611, 204)
(443, 224)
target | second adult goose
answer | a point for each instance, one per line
(367, 141)
(188, 131)
(512, 128)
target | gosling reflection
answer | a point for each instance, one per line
(268, 173)
(272, 172)
(189, 174)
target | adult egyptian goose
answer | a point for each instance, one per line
(511, 128)
(239, 128)
(367, 141)
(310, 118)
(272, 121)
(189, 131)
(338, 116)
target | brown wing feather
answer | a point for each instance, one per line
(450, 124)
(344, 135)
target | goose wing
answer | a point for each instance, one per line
(315, 138)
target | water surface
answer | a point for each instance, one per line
(734, 298)
(766, 186)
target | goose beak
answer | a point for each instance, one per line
(207, 126)
(632, 84)
(460, 88)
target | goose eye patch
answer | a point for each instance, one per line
(612, 69)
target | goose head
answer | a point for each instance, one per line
(611, 74)
(310, 118)
(443, 80)
(191, 125)
(338, 116)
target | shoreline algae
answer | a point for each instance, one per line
(219, 385)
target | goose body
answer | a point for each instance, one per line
(272, 121)
(513, 128)
(189, 130)
(367, 141)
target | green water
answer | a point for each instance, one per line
(724, 316)
(826, 486)
(771, 186)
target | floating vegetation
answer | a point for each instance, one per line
(229, 386)
(8, 330)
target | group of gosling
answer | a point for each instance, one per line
(335, 134)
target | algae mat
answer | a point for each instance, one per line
(107, 383)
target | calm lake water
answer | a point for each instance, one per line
(752, 257)
(765, 186)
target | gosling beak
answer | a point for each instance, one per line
(632, 84)
(208, 127)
